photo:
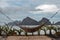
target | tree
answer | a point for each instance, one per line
(52, 27)
(44, 28)
(39, 32)
(19, 31)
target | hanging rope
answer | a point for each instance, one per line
(54, 14)
(6, 15)
(51, 17)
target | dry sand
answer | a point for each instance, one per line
(28, 38)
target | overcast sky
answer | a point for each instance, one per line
(36, 9)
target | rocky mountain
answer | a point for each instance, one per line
(14, 23)
(45, 20)
(57, 23)
(29, 21)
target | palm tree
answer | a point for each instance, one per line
(26, 33)
(12, 32)
(58, 28)
(58, 33)
(19, 31)
(9, 30)
(44, 29)
(1, 29)
(39, 32)
(50, 28)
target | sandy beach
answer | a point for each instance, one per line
(26, 38)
